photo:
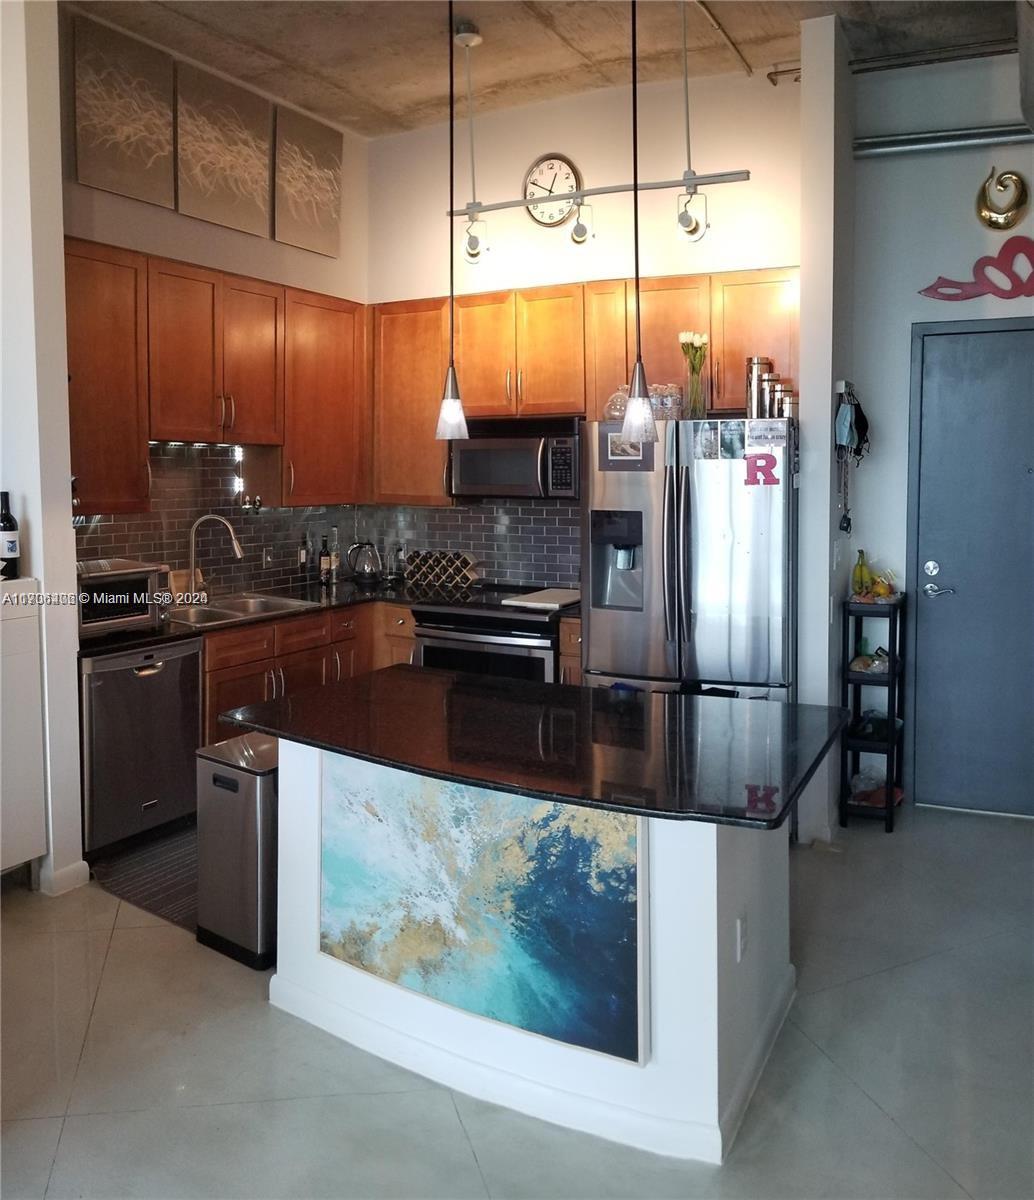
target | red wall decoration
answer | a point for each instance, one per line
(1009, 275)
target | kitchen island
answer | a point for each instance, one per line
(570, 901)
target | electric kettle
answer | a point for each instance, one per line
(364, 562)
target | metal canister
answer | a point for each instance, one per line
(777, 402)
(790, 408)
(769, 382)
(756, 367)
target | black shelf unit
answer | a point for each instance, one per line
(853, 746)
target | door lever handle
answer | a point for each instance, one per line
(931, 589)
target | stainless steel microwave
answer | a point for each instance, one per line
(505, 460)
(120, 593)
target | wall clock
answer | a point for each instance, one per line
(550, 181)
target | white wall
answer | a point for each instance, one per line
(120, 221)
(916, 221)
(827, 121)
(737, 123)
(34, 410)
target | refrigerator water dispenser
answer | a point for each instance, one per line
(616, 540)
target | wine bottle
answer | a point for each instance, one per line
(10, 552)
(335, 555)
(324, 562)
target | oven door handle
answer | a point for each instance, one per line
(486, 639)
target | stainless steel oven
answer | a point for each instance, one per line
(488, 652)
(482, 636)
(516, 458)
(120, 593)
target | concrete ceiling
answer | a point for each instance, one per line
(379, 66)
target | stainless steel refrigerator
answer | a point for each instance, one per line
(688, 554)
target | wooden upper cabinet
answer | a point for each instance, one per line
(106, 311)
(411, 354)
(253, 361)
(551, 350)
(486, 354)
(324, 352)
(668, 306)
(606, 357)
(185, 341)
(753, 314)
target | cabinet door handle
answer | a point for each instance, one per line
(283, 685)
(233, 411)
(222, 411)
(290, 467)
(150, 478)
(509, 398)
(400, 620)
(717, 379)
(272, 683)
(520, 385)
(563, 674)
(337, 667)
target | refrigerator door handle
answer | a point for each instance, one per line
(682, 545)
(668, 505)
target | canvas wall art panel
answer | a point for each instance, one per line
(123, 115)
(224, 149)
(514, 909)
(308, 183)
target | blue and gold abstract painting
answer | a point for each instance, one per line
(504, 906)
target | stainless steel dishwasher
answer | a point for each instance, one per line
(140, 729)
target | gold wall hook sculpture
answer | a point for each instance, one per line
(1002, 216)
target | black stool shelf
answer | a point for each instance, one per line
(852, 744)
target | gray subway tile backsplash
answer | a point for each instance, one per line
(520, 541)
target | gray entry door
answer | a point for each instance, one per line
(972, 514)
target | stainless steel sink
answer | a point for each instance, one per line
(261, 605)
(230, 609)
(201, 614)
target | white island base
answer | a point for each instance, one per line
(708, 1022)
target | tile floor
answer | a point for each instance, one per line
(138, 1064)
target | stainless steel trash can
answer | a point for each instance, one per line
(236, 848)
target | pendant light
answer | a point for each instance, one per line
(452, 423)
(639, 424)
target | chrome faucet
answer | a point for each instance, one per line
(193, 543)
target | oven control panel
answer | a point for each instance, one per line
(562, 467)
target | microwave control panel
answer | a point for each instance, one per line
(563, 467)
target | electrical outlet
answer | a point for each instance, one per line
(836, 553)
(267, 556)
(741, 937)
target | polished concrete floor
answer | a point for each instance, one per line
(136, 1063)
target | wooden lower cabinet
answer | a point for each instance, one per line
(394, 639)
(570, 669)
(570, 650)
(306, 669)
(234, 687)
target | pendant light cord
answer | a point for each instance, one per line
(635, 179)
(452, 190)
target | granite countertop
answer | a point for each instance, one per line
(343, 595)
(698, 758)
